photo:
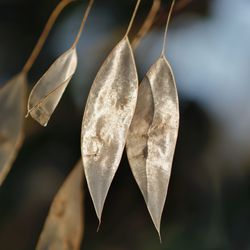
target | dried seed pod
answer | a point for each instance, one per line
(48, 91)
(107, 117)
(63, 229)
(12, 112)
(153, 134)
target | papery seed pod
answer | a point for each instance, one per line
(107, 117)
(48, 91)
(63, 229)
(12, 111)
(153, 134)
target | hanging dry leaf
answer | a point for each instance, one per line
(108, 114)
(47, 93)
(152, 136)
(12, 112)
(63, 229)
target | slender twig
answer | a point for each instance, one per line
(152, 18)
(149, 21)
(44, 35)
(166, 29)
(85, 17)
(133, 17)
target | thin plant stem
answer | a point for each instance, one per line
(166, 29)
(151, 18)
(85, 17)
(147, 23)
(133, 17)
(44, 35)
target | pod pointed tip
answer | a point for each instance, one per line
(99, 225)
(27, 115)
(157, 223)
(99, 215)
(159, 234)
(98, 193)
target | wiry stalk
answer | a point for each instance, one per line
(44, 35)
(85, 17)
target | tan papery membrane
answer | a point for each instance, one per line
(63, 229)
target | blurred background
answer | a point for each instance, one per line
(208, 203)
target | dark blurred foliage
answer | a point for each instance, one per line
(208, 204)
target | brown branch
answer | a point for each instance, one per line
(149, 21)
(152, 18)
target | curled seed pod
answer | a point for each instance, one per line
(153, 134)
(63, 229)
(12, 112)
(48, 91)
(107, 117)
